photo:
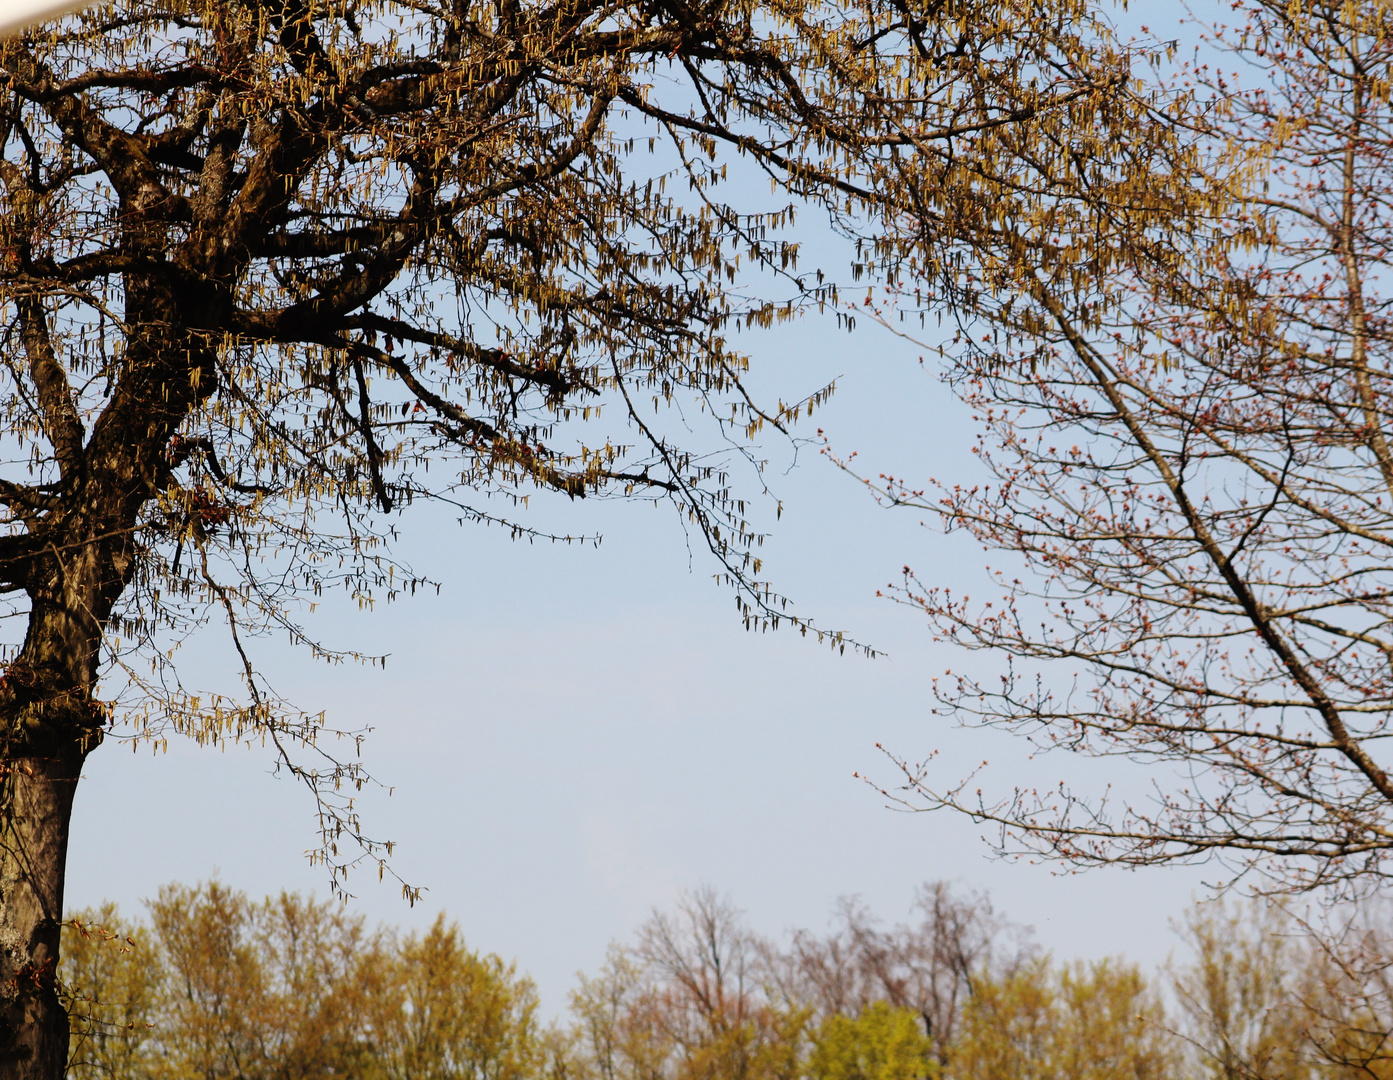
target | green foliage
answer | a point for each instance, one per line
(256, 989)
(882, 1043)
(217, 986)
(436, 1011)
(1244, 993)
(111, 978)
(1088, 1022)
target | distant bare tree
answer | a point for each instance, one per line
(706, 954)
(929, 966)
(687, 1002)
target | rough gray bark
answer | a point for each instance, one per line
(38, 798)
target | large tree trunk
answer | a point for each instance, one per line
(37, 795)
(49, 722)
(79, 559)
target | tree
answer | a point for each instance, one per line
(688, 1001)
(1346, 994)
(928, 968)
(882, 1043)
(437, 1011)
(699, 995)
(1247, 992)
(271, 271)
(272, 989)
(110, 980)
(1181, 364)
(1269, 995)
(217, 985)
(1094, 1022)
(220, 986)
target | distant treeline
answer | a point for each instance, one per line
(214, 985)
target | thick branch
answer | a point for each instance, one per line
(60, 418)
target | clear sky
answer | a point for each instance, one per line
(575, 735)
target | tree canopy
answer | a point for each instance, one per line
(271, 272)
(1180, 363)
(212, 984)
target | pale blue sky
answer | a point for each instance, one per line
(576, 735)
